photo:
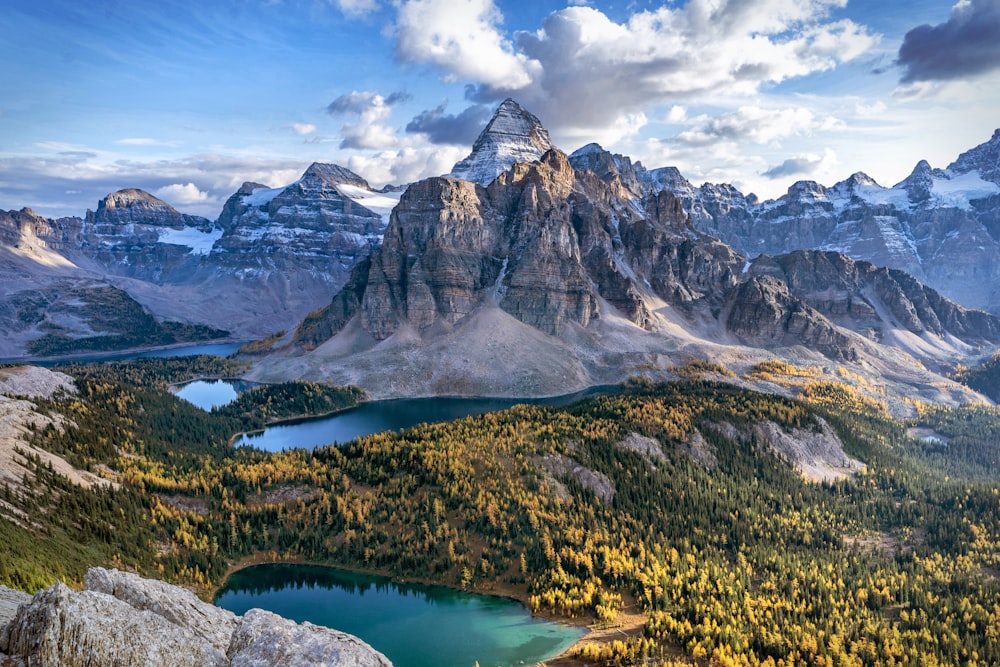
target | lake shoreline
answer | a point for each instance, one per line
(566, 658)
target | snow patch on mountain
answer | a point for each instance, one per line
(263, 196)
(198, 241)
(961, 190)
(377, 202)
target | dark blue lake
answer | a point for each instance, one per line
(412, 624)
(392, 415)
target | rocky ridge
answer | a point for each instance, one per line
(588, 268)
(120, 619)
(940, 225)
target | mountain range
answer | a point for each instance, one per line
(272, 256)
(527, 271)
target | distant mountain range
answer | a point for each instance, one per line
(271, 257)
(526, 271)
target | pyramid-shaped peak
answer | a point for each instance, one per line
(512, 119)
(860, 178)
(513, 135)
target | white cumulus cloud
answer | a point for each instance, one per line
(179, 194)
(463, 38)
(582, 72)
(369, 112)
(302, 129)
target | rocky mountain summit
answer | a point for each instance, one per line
(569, 271)
(513, 135)
(319, 226)
(121, 620)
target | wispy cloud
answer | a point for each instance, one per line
(143, 141)
(302, 129)
(757, 124)
(801, 165)
(357, 8)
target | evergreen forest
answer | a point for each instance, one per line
(661, 502)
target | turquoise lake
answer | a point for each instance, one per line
(414, 625)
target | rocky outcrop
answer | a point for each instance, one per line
(263, 639)
(10, 600)
(866, 298)
(763, 312)
(122, 620)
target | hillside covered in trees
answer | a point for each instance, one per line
(663, 500)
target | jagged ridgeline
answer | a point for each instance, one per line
(683, 503)
(527, 271)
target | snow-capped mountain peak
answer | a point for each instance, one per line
(513, 135)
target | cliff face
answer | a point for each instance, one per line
(539, 243)
(121, 620)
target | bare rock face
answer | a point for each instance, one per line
(264, 639)
(871, 299)
(453, 246)
(61, 628)
(181, 607)
(123, 620)
(10, 600)
(763, 312)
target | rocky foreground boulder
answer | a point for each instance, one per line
(121, 619)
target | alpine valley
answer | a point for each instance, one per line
(797, 463)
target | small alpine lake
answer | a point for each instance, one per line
(389, 415)
(414, 625)
(208, 394)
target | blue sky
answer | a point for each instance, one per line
(187, 98)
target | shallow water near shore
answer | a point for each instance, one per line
(414, 625)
